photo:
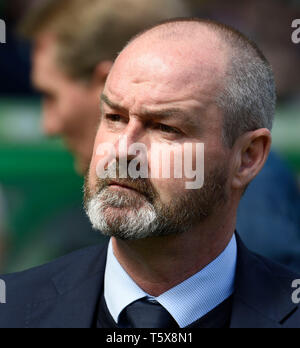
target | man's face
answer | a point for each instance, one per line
(70, 108)
(160, 96)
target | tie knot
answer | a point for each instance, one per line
(145, 314)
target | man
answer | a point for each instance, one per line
(173, 259)
(70, 66)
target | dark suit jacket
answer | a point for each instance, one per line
(65, 293)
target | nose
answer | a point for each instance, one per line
(133, 133)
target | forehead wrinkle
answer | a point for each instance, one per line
(161, 113)
(169, 114)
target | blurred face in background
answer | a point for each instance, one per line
(70, 107)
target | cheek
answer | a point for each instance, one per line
(167, 185)
(104, 149)
(65, 111)
(92, 179)
(213, 160)
(73, 107)
(169, 189)
(96, 158)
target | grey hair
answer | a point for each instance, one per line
(248, 93)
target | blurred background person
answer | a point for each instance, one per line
(74, 44)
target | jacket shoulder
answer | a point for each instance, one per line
(37, 282)
(278, 270)
(263, 292)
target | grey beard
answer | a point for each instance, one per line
(141, 214)
(138, 222)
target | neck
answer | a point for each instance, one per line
(160, 263)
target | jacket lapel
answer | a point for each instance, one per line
(260, 299)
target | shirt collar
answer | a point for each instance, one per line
(186, 302)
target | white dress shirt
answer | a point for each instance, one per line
(187, 301)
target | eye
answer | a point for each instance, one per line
(166, 129)
(113, 117)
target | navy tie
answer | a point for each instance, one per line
(144, 314)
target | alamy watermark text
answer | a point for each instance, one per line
(2, 31)
(166, 161)
(296, 33)
(2, 292)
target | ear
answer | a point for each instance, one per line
(101, 72)
(251, 151)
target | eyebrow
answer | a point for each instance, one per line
(160, 114)
(111, 104)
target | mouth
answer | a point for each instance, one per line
(117, 185)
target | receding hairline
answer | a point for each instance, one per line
(193, 30)
(182, 26)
